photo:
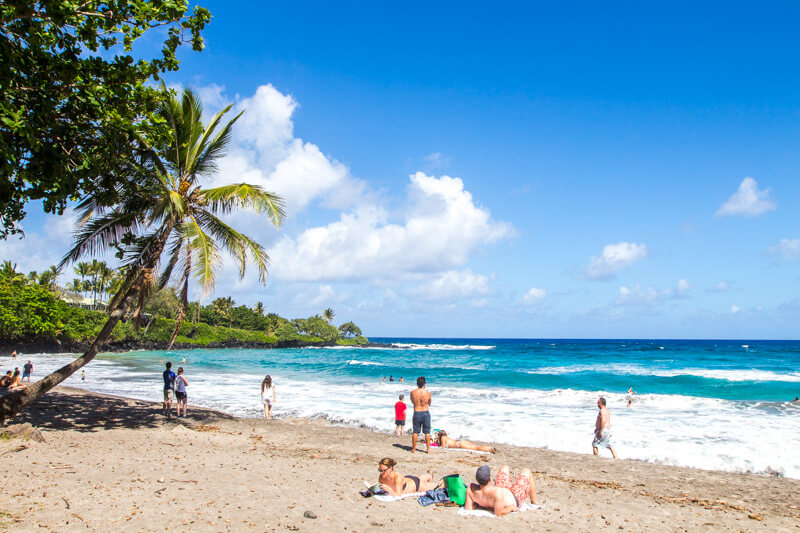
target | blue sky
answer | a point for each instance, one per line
(511, 170)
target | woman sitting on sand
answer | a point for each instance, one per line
(397, 484)
(446, 442)
(16, 383)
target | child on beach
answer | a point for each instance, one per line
(267, 396)
(399, 417)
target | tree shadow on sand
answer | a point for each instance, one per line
(89, 412)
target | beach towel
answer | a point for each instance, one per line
(484, 513)
(463, 450)
(389, 498)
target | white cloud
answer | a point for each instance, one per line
(722, 286)
(534, 295)
(788, 249)
(39, 250)
(437, 160)
(747, 201)
(442, 227)
(735, 309)
(452, 285)
(683, 287)
(615, 257)
(651, 297)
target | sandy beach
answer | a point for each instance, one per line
(107, 462)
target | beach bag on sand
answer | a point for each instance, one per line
(456, 488)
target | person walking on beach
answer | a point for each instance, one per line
(169, 384)
(400, 417)
(602, 429)
(180, 392)
(421, 398)
(267, 396)
(27, 370)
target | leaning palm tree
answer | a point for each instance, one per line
(328, 315)
(164, 208)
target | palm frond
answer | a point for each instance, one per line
(237, 244)
(205, 255)
(225, 199)
(98, 235)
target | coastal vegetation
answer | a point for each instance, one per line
(35, 312)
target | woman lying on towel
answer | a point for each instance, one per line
(397, 484)
(446, 442)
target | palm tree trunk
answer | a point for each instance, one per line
(15, 402)
(181, 313)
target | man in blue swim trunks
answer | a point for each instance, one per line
(421, 398)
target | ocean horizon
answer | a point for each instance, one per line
(713, 404)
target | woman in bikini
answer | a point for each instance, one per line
(397, 484)
(446, 442)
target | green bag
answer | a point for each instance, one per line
(456, 488)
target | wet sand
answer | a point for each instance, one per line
(109, 462)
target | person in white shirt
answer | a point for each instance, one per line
(180, 391)
(267, 396)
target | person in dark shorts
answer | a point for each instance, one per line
(169, 385)
(27, 370)
(421, 398)
(180, 391)
(400, 417)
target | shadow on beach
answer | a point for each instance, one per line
(78, 410)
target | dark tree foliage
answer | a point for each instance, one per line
(72, 95)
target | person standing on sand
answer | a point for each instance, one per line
(27, 370)
(602, 429)
(267, 396)
(400, 417)
(169, 385)
(180, 391)
(421, 398)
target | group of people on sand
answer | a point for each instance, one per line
(501, 497)
(175, 384)
(421, 399)
(14, 380)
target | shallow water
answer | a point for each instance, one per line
(722, 405)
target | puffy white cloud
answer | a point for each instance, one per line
(788, 249)
(265, 152)
(442, 227)
(651, 297)
(614, 258)
(534, 295)
(747, 201)
(39, 250)
(452, 285)
(735, 309)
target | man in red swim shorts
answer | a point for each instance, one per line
(504, 496)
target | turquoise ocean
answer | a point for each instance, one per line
(715, 404)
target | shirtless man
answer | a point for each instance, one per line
(503, 497)
(421, 398)
(602, 428)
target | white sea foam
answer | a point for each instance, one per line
(365, 363)
(669, 429)
(448, 347)
(721, 374)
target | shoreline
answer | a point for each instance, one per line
(58, 347)
(218, 472)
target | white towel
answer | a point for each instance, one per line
(389, 498)
(462, 450)
(488, 514)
